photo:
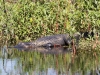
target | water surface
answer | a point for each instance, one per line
(42, 61)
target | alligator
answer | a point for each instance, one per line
(56, 50)
(50, 41)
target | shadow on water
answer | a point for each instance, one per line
(49, 50)
(43, 61)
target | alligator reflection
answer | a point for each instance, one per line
(56, 50)
(54, 61)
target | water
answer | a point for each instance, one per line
(42, 61)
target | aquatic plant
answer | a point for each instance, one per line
(27, 20)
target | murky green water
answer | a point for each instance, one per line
(41, 61)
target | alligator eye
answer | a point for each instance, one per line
(49, 44)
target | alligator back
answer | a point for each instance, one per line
(60, 39)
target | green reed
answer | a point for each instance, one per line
(26, 20)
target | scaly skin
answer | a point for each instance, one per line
(59, 39)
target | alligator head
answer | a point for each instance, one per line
(25, 45)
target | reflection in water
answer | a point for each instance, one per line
(43, 61)
(56, 50)
(8, 67)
